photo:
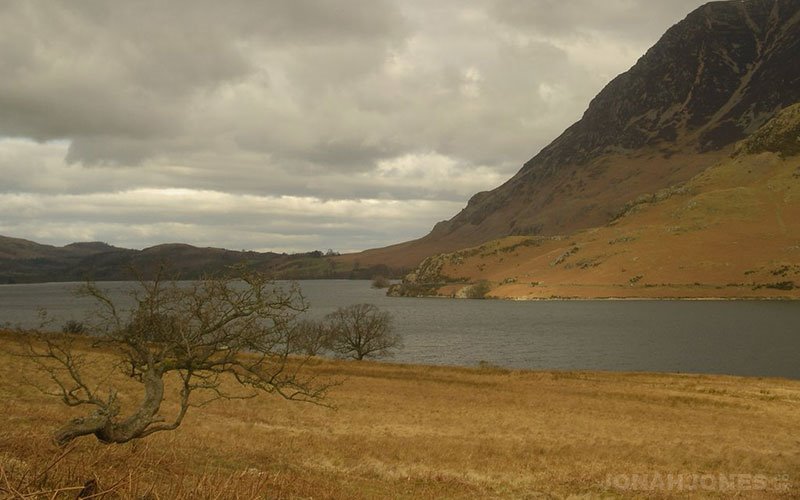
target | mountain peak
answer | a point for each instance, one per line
(710, 81)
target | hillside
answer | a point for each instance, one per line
(16, 248)
(731, 231)
(711, 80)
(23, 261)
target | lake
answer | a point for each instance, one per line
(754, 338)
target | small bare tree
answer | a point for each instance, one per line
(362, 330)
(310, 337)
(201, 332)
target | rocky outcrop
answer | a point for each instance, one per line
(780, 135)
(424, 281)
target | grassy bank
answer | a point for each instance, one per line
(424, 432)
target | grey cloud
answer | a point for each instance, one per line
(299, 81)
(412, 102)
(96, 72)
(632, 19)
(90, 69)
(28, 167)
(147, 217)
(110, 150)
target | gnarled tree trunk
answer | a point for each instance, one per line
(103, 422)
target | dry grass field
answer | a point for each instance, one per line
(426, 432)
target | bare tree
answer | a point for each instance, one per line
(362, 330)
(203, 333)
(310, 337)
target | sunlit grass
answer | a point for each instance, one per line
(419, 432)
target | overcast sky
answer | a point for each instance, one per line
(288, 125)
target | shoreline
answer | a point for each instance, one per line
(490, 367)
(516, 298)
(659, 299)
(536, 291)
(620, 299)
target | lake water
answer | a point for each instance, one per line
(755, 338)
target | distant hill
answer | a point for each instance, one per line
(15, 248)
(732, 231)
(23, 261)
(711, 80)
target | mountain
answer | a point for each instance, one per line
(732, 231)
(23, 261)
(710, 81)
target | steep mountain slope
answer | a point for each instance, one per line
(711, 80)
(731, 231)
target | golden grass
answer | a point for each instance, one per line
(732, 232)
(423, 432)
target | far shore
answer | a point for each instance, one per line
(593, 291)
(574, 292)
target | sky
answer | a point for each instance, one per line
(289, 125)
